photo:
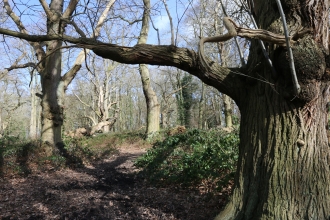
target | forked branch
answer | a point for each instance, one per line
(235, 30)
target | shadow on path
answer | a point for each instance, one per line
(110, 189)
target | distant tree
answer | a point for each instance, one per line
(186, 100)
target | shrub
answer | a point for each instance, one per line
(193, 158)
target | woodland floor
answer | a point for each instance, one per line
(107, 189)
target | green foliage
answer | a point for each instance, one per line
(87, 149)
(14, 154)
(192, 158)
(21, 156)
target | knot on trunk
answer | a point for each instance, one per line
(310, 65)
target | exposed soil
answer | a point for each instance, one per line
(108, 189)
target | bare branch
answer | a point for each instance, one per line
(287, 39)
(102, 19)
(15, 65)
(111, 104)
(14, 17)
(156, 29)
(234, 30)
(69, 10)
(87, 105)
(35, 44)
(21, 66)
(69, 76)
(236, 41)
(47, 10)
(171, 22)
(92, 119)
(80, 32)
(168, 55)
(129, 22)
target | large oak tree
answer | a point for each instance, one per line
(283, 167)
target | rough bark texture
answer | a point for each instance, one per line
(201, 108)
(283, 168)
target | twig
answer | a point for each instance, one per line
(263, 48)
(236, 41)
(286, 33)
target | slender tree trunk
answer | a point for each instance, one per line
(224, 62)
(179, 100)
(33, 118)
(228, 111)
(1, 124)
(201, 108)
(153, 107)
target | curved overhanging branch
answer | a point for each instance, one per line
(226, 80)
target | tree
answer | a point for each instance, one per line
(186, 99)
(153, 107)
(101, 101)
(49, 66)
(284, 157)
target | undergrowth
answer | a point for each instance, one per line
(24, 156)
(193, 158)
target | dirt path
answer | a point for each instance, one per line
(109, 189)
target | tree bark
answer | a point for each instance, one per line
(52, 107)
(153, 107)
(284, 157)
(201, 108)
(33, 120)
(283, 168)
(228, 111)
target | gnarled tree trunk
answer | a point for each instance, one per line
(283, 169)
(284, 159)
